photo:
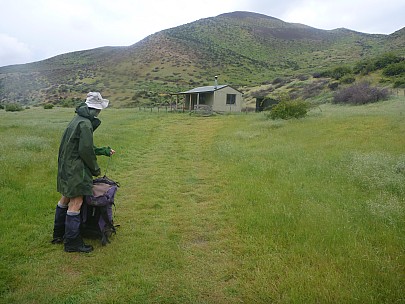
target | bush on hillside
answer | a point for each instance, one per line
(303, 77)
(361, 93)
(395, 69)
(333, 86)
(279, 82)
(311, 90)
(364, 67)
(339, 72)
(399, 83)
(347, 79)
(387, 59)
(317, 74)
(262, 92)
(367, 66)
(336, 73)
(48, 106)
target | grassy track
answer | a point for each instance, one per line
(226, 209)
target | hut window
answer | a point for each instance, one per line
(230, 98)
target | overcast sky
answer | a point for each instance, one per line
(32, 30)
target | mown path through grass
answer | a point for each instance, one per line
(178, 210)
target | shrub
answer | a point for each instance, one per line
(339, 72)
(262, 92)
(303, 77)
(399, 83)
(333, 86)
(394, 69)
(323, 74)
(364, 67)
(48, 106)
(313, 89)
(369, 65)
(336, 73)
(13, 107)
(347, 79)
(287, 109)
(280, 81)
(317, 74)
(387, 59)
(361, 93)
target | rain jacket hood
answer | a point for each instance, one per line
(84, 111)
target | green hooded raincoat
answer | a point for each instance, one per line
(77, 162)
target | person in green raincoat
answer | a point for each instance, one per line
(77, 164)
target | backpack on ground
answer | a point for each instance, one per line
(97, 210)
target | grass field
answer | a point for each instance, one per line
(223, 209)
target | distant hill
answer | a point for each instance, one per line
(242, 48)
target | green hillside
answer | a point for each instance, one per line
(245, 49)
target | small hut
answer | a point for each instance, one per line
(218, 98)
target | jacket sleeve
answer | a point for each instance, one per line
(106, 151)
(86, 149)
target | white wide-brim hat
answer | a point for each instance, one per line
(95, 101)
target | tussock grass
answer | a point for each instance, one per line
(225, 209)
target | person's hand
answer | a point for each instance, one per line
(112, 152)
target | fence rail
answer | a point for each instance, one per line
(162, 109)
